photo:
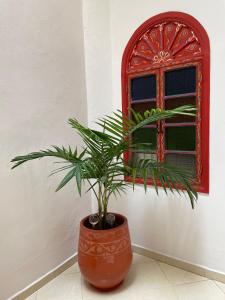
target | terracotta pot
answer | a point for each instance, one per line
(105, 256)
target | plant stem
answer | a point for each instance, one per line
(99, 200)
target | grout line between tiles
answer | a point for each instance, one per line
(184, 283)
(191, 282)
(181, 264)
(218, 286)
(153, 261)
(158, 262)
(172, 286)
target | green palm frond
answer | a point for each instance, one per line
(121, 126)
(102, 165)
(158, 114)
(67, 155)
(168, 176)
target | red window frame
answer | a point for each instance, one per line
(146, 66)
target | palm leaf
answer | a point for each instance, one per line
(101, 162)
(123, 126)
(58, 152)
(169, 177)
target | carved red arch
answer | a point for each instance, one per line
(167, 39)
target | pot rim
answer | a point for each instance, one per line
(104, 230)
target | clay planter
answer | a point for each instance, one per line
(105, 256)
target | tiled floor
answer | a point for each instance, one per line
(147, 280)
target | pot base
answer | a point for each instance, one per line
(108, 289)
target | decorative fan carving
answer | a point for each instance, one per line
(162, 43)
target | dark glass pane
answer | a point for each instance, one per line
(144, 155)
(145, 135)
(180, 138)
(142, 107)
(143, 87)
(176, 102)
(136, 156)
(180, 81)
(186, 162)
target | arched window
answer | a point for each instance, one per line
(166, 64)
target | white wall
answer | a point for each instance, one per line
(97, 42)
(168, 225)
(97, 49)
(42, 84)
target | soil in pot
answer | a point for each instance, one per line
(105, 225)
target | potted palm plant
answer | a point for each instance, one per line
(104, 253)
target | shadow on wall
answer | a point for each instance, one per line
(166, 225)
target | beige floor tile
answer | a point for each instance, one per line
(179, 276)
(164, 293)
(149, 275)
(140, 282)
(140, 259)
(125, 291)
(221, 285)
(147, 280)
(203, 290)
(32, 297)
(72, 270)
(64, 287)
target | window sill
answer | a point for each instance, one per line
(199, 188)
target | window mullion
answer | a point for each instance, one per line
(160, 104)
(198, 122)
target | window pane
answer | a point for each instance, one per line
(142, 155)
(176, 102)
(180, 138)
(145, 135)
(143, 87)
(142, 107)
(180, 81)
(185, 162)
